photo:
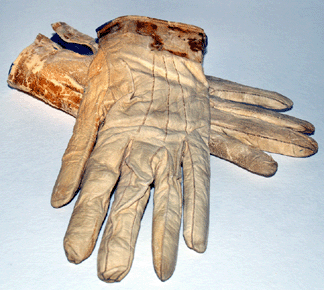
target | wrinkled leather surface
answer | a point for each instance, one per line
(145, 112)
(147, 109)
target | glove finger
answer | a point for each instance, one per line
(243, 155)
(196, 176)
(262, 114)
(100, 177)
(167, 213)
(263, 135)
(116, 250)
(244, 94)
(84, 133)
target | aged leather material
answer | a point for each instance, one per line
(48, 72)
(144, 109)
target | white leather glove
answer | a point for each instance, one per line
(131, 112)
(145, 112)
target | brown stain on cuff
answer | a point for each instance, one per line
(197, 44)
(150, 29)
(63, 97)
(108, 29)
(176, 38)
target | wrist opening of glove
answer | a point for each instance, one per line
(177, 38)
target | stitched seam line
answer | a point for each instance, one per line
(183, 100)
(194, 196)
(262, 137)
(212, 91)
(166, 220)
(168, 100)
(152, 95)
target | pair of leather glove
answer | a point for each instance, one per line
(147, 116)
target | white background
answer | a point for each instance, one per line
(265, 233)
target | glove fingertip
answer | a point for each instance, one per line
(197, 243)
(200, 247)
(268, 168)
(58, 202)
(112, 275)
(164, 272)
(71, 254)
(61, 197)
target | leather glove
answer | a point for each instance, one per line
(145, 112)
(240, 130)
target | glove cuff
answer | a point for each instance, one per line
(177, 38)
